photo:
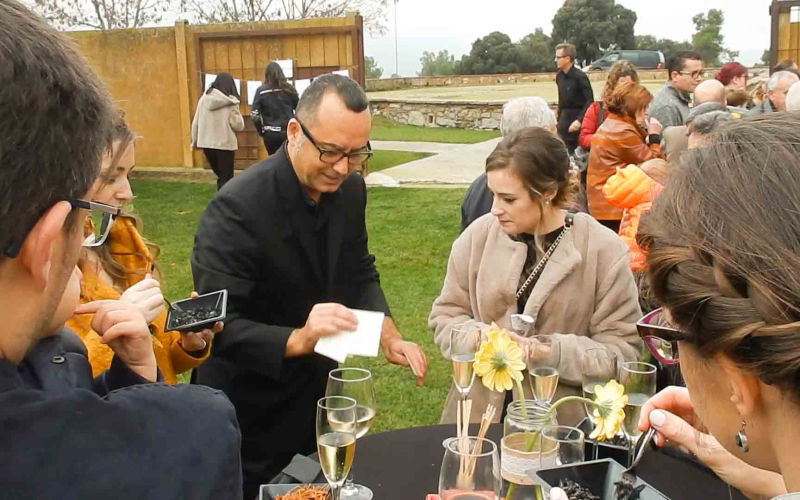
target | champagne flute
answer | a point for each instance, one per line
(355, 383)
(639, 380)
(561, 445)
(465, 339)
(336, 439)
(544, 356)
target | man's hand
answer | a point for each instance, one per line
(401, 352)
(123, 328)
(323, 320)
(146, 295)
(672, 414)
(575, 126)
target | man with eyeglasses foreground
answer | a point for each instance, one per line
(288, 240)
(63, 433)
(670, 105)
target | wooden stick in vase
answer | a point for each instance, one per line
(486, 421)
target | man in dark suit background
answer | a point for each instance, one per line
(575, 95)
(288, 239)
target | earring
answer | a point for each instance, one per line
(741, 438)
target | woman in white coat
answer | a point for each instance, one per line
(215, 124)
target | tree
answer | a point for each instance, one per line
(765, 57)
(491, 54)
(372, 68)
(215, 11)
(665, 45)
(593, 26)
(708, 39)
(100, 14)
(536, 52)
(442, 63)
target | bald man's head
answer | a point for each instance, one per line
(709, 91)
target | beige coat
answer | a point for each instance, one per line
(216, 122)
(585, 297)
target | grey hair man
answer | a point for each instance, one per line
(518, 113)
(777, 88)
(793, 98)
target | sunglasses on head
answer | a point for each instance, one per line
(660, 338)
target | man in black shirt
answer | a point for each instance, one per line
(288, 240)
(574, 95)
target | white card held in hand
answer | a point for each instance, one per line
(364, 341)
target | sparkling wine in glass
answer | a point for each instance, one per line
(465, 339)
(355, 383)
(336, 439)
(639, 380)
(544, 357)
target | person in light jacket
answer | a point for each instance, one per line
(215, 124)
(584, 296)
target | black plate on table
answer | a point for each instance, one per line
(270, 491)
(598, 476)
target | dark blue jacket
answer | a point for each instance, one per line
(66, 435)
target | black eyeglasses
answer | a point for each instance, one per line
(660, 338)
(330, 156)
(96, 229)
(693, 74)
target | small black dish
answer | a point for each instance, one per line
(598, 476)
(604, 449)
(192, 315)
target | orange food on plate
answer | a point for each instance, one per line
(306, 492)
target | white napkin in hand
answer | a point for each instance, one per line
(363, 341)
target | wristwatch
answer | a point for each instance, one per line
(653, 139)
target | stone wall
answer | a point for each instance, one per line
(476, 115)
(377, 85)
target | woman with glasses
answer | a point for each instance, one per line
(530, 256)
(723, 243)
(119, 264)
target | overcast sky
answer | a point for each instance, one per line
(453, 25)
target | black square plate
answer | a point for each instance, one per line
(598, 476)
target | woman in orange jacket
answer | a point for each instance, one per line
(625, 137)
(121, 269)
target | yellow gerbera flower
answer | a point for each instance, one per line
(610, 412)
(498, 361)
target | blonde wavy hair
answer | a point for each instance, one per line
(119, 139)
(617, 71)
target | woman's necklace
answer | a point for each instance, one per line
(546, 257)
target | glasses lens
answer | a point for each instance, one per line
(356, 160)
(330, 156)
(97, 227)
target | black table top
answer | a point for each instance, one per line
(404, 465)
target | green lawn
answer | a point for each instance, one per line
(410, 231)
(385, 159)
(384, 129)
